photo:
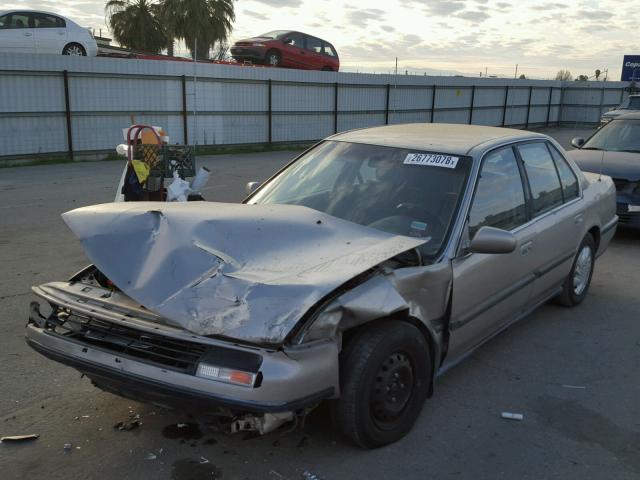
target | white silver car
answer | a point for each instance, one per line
(31, 31)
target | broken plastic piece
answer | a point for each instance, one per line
(178, 190)
(512, 416)
(19, 438)
(67, 446)
(150, 456)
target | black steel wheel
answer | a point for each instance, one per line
(385, 373)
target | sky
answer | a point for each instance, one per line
(440, 37)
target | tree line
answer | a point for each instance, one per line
(155, 25)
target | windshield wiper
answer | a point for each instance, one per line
(590, 148)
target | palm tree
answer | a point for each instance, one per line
(199, 22)
(171, 15)
(135, 24)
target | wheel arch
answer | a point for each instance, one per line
(595, 233)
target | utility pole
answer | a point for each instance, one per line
(516, 74)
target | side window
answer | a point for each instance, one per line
(4, 21)
(328, 50)
(17, 20)
(499, 198)
(546, 191)
(314, 44)
(567, 176)
(295, 40)
(43, 20)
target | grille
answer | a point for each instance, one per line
(628, 217)
(620, 184)
(157, 349)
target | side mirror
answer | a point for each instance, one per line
(577, 142)
(493, 240)
(252, 187)
(286, 41)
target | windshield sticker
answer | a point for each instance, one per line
(418, 229)
(431, 159)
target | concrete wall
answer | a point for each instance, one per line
(238, 105)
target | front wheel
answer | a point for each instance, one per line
(75, 50)
(273, 58)
(577, 283)
(384, 378)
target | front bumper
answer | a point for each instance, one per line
(255, 54)
(628, 215)
(291, 379)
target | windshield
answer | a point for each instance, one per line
(274, 34)
(617, 136)
(396, 190)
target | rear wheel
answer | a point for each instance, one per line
(273, 58)
(576, 286)
(74, 49)
(385, 375)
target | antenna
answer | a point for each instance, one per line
(601, 166)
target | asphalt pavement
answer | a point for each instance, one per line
(572, 373)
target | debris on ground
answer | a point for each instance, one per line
(67, 447)
(574, 386)
(150, 456)
(19, 438)
(131, 424)
(512, 416)
(276, 475)
(306, 475)
(203, 460)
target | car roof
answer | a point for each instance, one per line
(629, 116)
(451, 138)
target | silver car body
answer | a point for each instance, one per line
(284, 282)
(50, 38)
(631, 104)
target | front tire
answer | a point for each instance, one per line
(75, 50)
(576, 286)
(273, 58)
(384, 378)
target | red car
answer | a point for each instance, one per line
(287, 48)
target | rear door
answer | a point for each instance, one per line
(315, 58)
(557, 213)
(16, 34)
(50, 33)
(491, 290)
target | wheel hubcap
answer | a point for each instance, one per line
(393, 388)
(74, 51)
(582, 270)
(273, 59)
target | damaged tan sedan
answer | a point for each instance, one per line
(357, 274)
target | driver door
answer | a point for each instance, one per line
(491, 290)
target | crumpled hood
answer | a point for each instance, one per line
(622, 165)
(242, 271)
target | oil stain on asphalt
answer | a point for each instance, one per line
(190, 469)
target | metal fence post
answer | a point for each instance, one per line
(504, 106)
(270, 114)
(621, 94)
(67, 107)
(526, 125)
(386, 109)
(433, 102)
(549, 105)
(561, 104)
(335, 107)
(185, 123)
(473, 96)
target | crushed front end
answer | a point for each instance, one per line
(127, 350)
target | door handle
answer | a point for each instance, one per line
(578, 219)
(526, 247)
(60, 33)
(28, 34)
